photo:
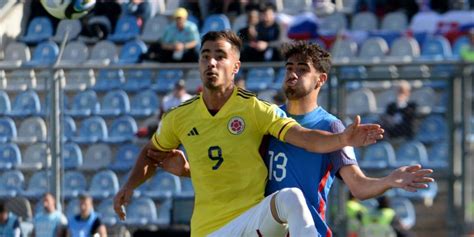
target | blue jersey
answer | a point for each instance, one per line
(313, 173)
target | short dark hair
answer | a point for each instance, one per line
(268, 6)
(3, 207)
(226, 35)
(320, 58)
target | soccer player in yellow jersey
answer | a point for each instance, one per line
(221, 130)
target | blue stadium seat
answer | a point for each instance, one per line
(126, 29)
(364, 21)
(10, 156)
(103, 53)
(239, 22)
(20, 80)
(426, 195)
(73, 27)
(12, 183)
(75, 183)
(187, 189)
(69, 128)
(166, 80)
(109, 79)
(405, 48)
(193, 81)
(39, 29)
(37, 185)
(5, 105)
(26, 104)
(344, 49)
(182, 210)
(7, 129)
(72, 208)
(438, 156)
(433, 129)
(84, 104)
(259, 79)
(72, 156)
(280, 78)
(361, 102)
(378, 156)
(15, 54)
(75, 52)
(215, 22)
(122, 129)
(145, 104)
(97, 157)
(92, 130)
(107, 213)
(114, 103)
(132, 51)
(154, 28)
(141, 212)
(404, 210)
(137, 80)
(374, 48)
(103, 185)
(164, 212)
(394, 21)
(45, 54)
(35, 157)
(125, 158)
(410, 153)
(333, 24)
(436, 48)
(32, 130)
(460, 42)
(163, 185)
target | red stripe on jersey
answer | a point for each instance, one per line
(329, 233)
(322, 184)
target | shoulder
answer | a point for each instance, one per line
(245, 94)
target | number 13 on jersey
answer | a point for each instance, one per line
(277, 166)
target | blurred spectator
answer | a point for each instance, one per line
(266, 47)
(87, 222)
(249, 33)
(50, 222)
(467, 52)
(139, 8)
(9, 223)
(179, 42)
(355, 214)
(399, 115)
(99, 28)
(175, 98)
(240, 82)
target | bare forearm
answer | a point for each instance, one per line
(361, 186)
(142, 170)
(314, 140)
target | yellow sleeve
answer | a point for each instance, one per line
(272, 120)
(165, 138)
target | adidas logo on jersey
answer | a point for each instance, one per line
(193, 132)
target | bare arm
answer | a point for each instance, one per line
(362, 187)
(324, 142)
(174, 161)
(102, 231)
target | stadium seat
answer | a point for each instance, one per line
(460, 42)
(187, 189)
(69, 128)
(344, 49)
(419, 96)
(425, 21)
(122, 129)
(104, 185)
(72, 156)
(410, 153)
(109, 79)
(259, 79)
(92, 130)
(239, 22)
(114, 103)
(333, 24)
(39, 29)
(373, 49)
(193, 81)
(361, 102)
(182, 210)
(75, 52)
(103, 53)
(35, 157)
(37, 185)
(385, 98)
(72, 27)
(20, 80)
(26, 104)
(107, 213)
(279, 79)
(43, 79)
(7, 129)
(84, 104)
(154, 29)
(141, 212)
(378, 156)
(215, 22)
(144, 104)
(45, 54)
(15, 54)
(97, 157)
(10, 156)
(436, 48)
(426, 195)
(32, 130)
(12, 183)
(137, 80)
(164, 212)
(132, 51)
(293, 7)
(126, 29)
(166, 80)
(404, 210)
(125, 158)
(394, 21)
(364, 21)
(75, 183)
(162, 186)
(438, 156)
(21, 207)
(433, 129)
(72, 208)
(405, 49)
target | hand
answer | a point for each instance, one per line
(179, 47)
(174, 161)
(361, 134)
(410, 178)
(122, 199)
(262, 45)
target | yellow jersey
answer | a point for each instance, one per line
(227, 171)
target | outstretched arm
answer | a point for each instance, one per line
(324, 142)
(409, 178)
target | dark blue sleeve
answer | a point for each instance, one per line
(343, 157)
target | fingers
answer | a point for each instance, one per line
(423, 180)
(356, 122)
(413, 168)
(119, 205)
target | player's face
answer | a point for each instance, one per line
(49, 203)
(218, 64)
(301, 78)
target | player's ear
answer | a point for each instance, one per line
(236, 67)
(323, 77)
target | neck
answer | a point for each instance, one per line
(215, 99)
(303, 105)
